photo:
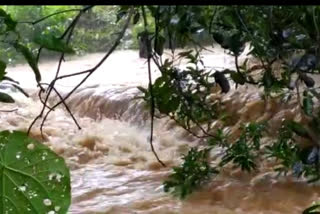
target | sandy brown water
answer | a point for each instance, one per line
(113, 169)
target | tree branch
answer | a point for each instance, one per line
(89, 72)
(53, 14)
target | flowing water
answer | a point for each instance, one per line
(112, 167)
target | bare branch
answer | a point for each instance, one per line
(53, 14)
(67, 108)
(11, 110)
(70, 31)
(21, 90)
(89, 73)
(152, 109)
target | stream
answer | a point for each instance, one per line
(112, 167)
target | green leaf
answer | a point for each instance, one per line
(136, 18)
(237, 78)
(315, 209)
(52, 43)
(159, 45)
(307, 103)
(33, 178)
(297, 128)
(267, 79)
(3, 67)
(218, 37)
(9, 22)
(5, 98)
(142, 89)
(122, 12)
(236, 43)
(30, 59)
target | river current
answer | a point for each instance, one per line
(112, 167)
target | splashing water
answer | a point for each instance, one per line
(113, 169)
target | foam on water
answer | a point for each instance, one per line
(113, 169)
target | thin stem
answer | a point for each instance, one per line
(67, 108)
(152, 109)
(90, 72)
(11, 110)
(315, 22)
(70, 31)
(48, 16)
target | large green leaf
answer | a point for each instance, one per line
(33, 179)
(30, 59)
(6, 98)
(53, 43)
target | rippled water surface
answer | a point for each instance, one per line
(113, 169)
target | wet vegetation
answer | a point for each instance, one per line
(284, 41)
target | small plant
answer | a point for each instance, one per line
(244, 151)
(302, 162)
(194, 171)
(196, 168)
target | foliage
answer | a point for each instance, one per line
(245, 150)
(28, 185)
(196, 168)
(87, 37)
(183, 95)
(194, 171)
(275, 34)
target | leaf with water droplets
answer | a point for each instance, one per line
(33, 179)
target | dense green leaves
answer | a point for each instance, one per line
(33, 178)
(194, 171)
(8, 21)
(244, 151)
(276, 35)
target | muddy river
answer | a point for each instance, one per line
(113, 169)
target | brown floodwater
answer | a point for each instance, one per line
(112, 167)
